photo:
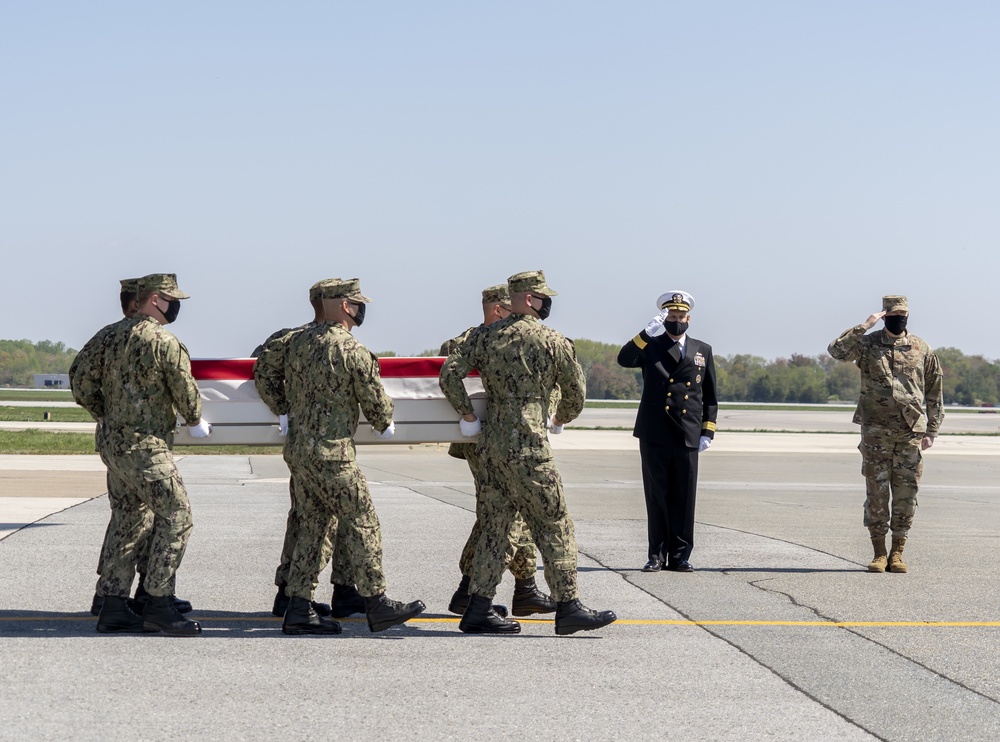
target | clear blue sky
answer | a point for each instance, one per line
(785, 162)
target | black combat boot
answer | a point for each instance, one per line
(460, 600)
(281, 604)
(116, 617)
(480, 618)
(142, 597)
(346, 601)
(301, 618)
(383, 613)
(573, 616)
(160, 614)
(95, 604)
(528, 599)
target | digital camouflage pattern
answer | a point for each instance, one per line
(86, 379)
(524, 563)
(269, 377)
(900, 377)
(520, 362)
(330, 378)
(147, 384)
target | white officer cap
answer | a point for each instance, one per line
(676, 299)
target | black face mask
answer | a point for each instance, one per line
(546, 307)
(676, 328)
(173, 309)
(896, 324)
(359, 316)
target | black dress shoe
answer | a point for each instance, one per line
(653, 565)
(302, 618)
(573, 616)
(682, 566)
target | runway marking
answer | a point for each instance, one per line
(620, 621)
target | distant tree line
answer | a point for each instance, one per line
(968, 380)
(21, 359)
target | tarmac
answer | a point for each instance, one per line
(780, 633)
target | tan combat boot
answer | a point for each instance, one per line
(878, 564)
(896, 563)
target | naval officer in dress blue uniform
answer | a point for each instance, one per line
(676, 422)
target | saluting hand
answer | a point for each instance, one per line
(870, 322)
(655, 326)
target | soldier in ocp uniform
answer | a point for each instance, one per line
(900, 377)
(528, 599)
(329, 376)
(675, 423)
(147, 383)
(269, 377)
(520, 362)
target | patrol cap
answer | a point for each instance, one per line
(314, 290)
(529, 281)
(676, 299)
(894, 304)
(129, 285)
(164, 284)
(496, 294)
(342, 288)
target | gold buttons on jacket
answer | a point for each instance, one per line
(670, 394)
(684, 412)
(685, 396)
(671, 381)
(689, 383)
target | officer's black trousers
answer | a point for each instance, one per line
(669, 479)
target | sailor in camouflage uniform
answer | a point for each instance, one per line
(528, 599)
(269, 376)
(900, 377)
(520, 362)
(329, 376)
(147, 383)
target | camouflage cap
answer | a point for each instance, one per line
(314, 290)
(164, 284)
(531, 281)
(894, 304)
(496, 295)
(342, 288)
(676, 299)
(129, 285)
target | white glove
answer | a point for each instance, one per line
(554, 429)
(201, 430)
(470, 429)
(704, 443)
(282, 425)
(655, 326)
(385, 434)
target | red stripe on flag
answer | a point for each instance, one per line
(241, 369)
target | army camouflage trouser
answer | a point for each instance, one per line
(142, 548)
(525, 560)
(152, 505)
(530, 485)
(335, 497)
(892, 463)
(292, 528)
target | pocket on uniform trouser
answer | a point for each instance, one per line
(158, 465)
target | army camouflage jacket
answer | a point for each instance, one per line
(329, 376)
(85, 372)
(269, 369)
(147, 384)
(899, 377)
(520, 361)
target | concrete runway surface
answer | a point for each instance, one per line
(779, 634)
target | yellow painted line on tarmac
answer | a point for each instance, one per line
(620, 621)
